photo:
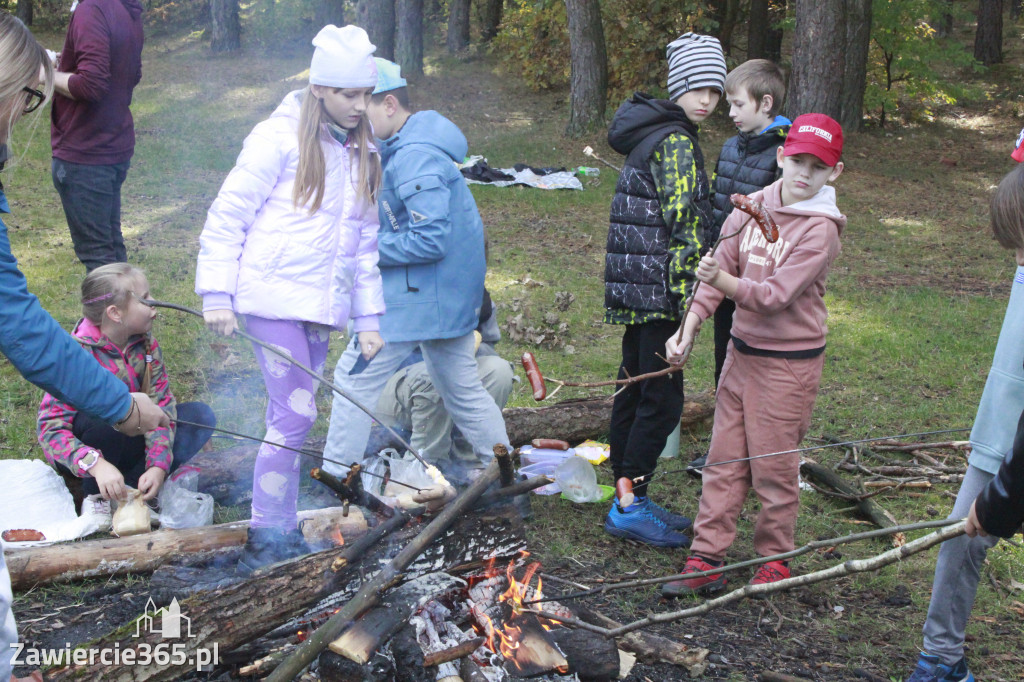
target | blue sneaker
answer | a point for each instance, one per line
(929, 669)
(638, 522)
(670, 519)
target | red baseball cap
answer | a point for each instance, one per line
(816, 134)
(1018, 152)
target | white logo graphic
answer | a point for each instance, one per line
(817, 131)
(170, 621)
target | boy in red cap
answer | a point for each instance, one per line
(773, 365)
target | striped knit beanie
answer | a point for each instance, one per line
(695, 61)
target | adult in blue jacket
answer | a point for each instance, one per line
(432, 261)
(35, 344)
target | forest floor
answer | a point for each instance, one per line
(916, 301)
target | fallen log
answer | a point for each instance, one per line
(230, 616)
(650, 648)
(227, 474)
(866, 506)
(369, 595)
(68, 562)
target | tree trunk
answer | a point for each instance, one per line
(226, 30)
(378, 18)
(409, 38)
(491, 14)
(328, 12)
(725, 13)
(1015, 6)
(816, 81)
(458, 25)
(24, 12)
(858, 43)
(589, 90)
(988, 41)
(764, 32)
(757, 29)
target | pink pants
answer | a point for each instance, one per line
(763, 405)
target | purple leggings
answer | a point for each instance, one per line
(291, 411)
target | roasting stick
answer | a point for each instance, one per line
(301, 451)
(276, 351)
(589, 151)
(810, 546)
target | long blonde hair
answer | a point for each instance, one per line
(20, 58)
(310, 178)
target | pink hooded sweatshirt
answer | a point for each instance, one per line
(260, 256)
(780, 302)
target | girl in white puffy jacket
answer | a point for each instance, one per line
(290, 244)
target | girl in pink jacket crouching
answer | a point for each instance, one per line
(290, 244)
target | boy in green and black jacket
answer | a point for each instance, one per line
(659, 215)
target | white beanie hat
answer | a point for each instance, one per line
(343, 58)
(694, 62)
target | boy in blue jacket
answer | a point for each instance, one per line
(431, 245)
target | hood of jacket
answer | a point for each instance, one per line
(427, 127)
(641, 115)
(822, 204)
(133, 7)
(86, 332)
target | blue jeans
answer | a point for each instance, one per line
(957, 573)
(91, 196)
(452, 366)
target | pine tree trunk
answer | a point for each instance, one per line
(988, 41)
(491, 14)
(757, 29)
(589, 90)
(378, 18)
(816, 81)
(328, 12)
(226, 30)
(858, 42)
(458, 25)
(1015, 6)
(24, 11)
(409, 37)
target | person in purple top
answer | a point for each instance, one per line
(92, 132)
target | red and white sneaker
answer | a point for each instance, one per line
(771, 572)
(702, 585)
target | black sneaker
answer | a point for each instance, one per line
(696, 467)
(265, 546)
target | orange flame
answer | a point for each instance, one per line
(337, 538)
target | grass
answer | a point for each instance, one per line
(916, 302)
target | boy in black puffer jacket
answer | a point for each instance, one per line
(659, 216)
(754, 91)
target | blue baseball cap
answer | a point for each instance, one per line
(389, 76)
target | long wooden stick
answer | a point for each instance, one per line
(809, 547)
(831, 573)
(369, 595)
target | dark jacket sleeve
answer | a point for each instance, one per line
(45, 354)
(675, 176)
(1000, 506)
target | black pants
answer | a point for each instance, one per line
(91, 196)
(645, 413)
(128, 453)
(723, 333)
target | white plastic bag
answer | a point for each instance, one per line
(578, 480)
(35, 497)
(407, 469)
(181, 506)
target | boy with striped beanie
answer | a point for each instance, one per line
(659, 214)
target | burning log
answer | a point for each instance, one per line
(454, 653)
(651, 648)
(63, 563)
(360, 641)
(233, 615)
(369, 595)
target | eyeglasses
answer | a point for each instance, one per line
(33, 99)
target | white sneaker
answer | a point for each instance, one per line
(95, 505)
